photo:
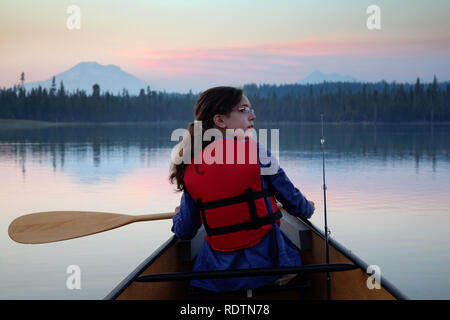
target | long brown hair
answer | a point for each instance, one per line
(218, 100)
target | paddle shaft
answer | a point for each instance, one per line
(151, 217)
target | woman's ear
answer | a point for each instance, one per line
(219, 121)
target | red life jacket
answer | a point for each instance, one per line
(230, 196)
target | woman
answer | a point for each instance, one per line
(233, 200)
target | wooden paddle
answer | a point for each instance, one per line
(51, 226)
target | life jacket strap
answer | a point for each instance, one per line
(250, 225)
(237, 199)
(248, 196)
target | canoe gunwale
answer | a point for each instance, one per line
(123, 285)
(356, 260)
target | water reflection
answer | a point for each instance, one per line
(98, 142)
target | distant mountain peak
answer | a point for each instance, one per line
(85, 74)
(88, 63)
(319, 77)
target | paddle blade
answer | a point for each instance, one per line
(44, 227)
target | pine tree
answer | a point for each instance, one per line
(53, 88)
(96, 90)
(433, 98)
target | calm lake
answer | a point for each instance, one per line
(388, 199)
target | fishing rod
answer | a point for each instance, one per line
(327, 255)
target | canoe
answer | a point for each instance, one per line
(165, 275)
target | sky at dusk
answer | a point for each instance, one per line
(179, 45)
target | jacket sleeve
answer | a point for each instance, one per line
(187, 221)
(285, 192)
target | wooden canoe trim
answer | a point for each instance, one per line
(349, 285)
(169, 261)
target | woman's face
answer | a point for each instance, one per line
(241, 117)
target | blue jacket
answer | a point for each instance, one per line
(274, 250)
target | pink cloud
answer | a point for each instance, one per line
(285, 61)
(205, 60)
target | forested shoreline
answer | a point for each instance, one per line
(340, 102)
